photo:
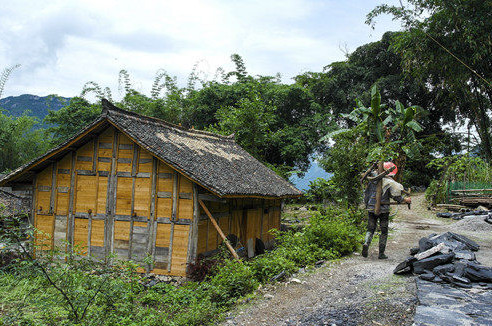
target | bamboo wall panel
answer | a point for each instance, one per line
(43, 191)
(142, 196)
(185, 206)
(85, 156)
(212, 236)
(97, 238)
(125, 154)
(237, 216)
(44, 234)
(63, 185)
(121, 239)
(164, 185)
(102, 189)
(124, 196)
(145, 161)
(180, 246)
(139, 242)
(162, 248)
(80, 236)
(86, 191)
(253, 224)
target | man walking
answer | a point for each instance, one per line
(391, 189)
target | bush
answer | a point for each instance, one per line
(332, 233)
(320, 189)
(231, 280)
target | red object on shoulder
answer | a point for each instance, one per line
(389, 165)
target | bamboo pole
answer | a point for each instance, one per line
(214, 222)
(379, 190)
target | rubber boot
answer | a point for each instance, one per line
(367, 243)
(383, 238)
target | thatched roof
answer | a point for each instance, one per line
(215, 162)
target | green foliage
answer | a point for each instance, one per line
(446, 45)
(333, 233)
(70, 119)
(456, 168)
(437, 192)
(50, 290)
(278, 124)
(250, 121)
(231, 280)
(20, 142)
(381, 133)
(346, 158)
(320, 189)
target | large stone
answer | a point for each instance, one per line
(432, 251)
(405, 266)
(464, 254)
(443, 269)
(428, 276)
(428, 264)
(425, 243)
(478, 273)
(472, 245)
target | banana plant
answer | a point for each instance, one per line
(390, 131)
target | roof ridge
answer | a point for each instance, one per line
(108, 106)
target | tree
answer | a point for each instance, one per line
(5, 76)
(19, 141)
(71, 119)
(381, 133)
(447, 46)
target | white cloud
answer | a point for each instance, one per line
(63, 44)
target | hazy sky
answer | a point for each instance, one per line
(63, 44)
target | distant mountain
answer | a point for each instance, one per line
(315, 171)
(37, 105)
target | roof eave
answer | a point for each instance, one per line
(26, 168)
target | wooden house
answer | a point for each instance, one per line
(134, 186)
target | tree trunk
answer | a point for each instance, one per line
(400, 163)
(481, 123)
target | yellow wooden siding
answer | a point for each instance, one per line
(180, 249)
(81, 232)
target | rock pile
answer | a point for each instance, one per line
(448, 257)
(486, 215)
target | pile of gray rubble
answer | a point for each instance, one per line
(447, 258)
(481, 214)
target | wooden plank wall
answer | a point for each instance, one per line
(112, 196)
(245, 218)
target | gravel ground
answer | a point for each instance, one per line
(355, 290)
(473, 223)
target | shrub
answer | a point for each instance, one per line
(332, 233)
(231, 280)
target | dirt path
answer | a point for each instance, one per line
(355, 290)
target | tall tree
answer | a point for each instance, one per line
(447, 45)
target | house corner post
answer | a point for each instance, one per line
(193, 231)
